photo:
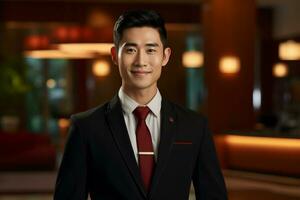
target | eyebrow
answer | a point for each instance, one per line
(152, 44)
(147, 44)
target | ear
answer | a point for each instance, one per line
(114, 55)
(167, 54)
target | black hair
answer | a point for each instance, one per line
(139, 18)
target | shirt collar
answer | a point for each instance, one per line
(129, 104)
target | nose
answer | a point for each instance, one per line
(140, 60)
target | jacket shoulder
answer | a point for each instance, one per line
(93, 113)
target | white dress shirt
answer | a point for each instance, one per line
(152, 120)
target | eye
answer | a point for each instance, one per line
(130, 50)
(151, 51)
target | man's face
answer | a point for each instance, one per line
(140, 58)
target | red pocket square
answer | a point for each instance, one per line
(183, 142)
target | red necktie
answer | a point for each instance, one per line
(144, 144)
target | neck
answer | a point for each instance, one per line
(142, 96)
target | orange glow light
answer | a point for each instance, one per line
(56, 54)
(101, 68)
(100, 48)
(280, 70)
(289, 50)
(192, 59)
(63, 123)
(51, 83)
(263, 141)
(229, 64)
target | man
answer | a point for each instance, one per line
(139, 145)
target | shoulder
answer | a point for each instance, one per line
(90, 115)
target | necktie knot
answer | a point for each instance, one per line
(141, 112)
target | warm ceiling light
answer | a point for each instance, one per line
(280, 70)
(98, 48)
(192, 59)
(289, 50)
(101, 68)
(57, 54)
(229, 64)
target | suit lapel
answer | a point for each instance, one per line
(118, 128)
(168, 131)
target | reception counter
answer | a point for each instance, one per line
(273, 155)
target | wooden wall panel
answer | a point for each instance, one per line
(229, 29)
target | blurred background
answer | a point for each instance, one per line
(237, 62)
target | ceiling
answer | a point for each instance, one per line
(286, 15)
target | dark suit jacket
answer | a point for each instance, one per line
(99, 159)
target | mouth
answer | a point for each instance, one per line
(140, 72)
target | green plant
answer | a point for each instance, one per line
(13, 84)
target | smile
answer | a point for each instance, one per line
(140, 72)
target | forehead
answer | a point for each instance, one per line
(141, 35)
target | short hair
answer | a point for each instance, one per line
(139, 18)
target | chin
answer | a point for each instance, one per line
(141, 86)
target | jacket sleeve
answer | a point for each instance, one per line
(207, 176)
(71, 182)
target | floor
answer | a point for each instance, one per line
(241, 186)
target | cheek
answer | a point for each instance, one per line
(123, 68)
(123, 64)
(126, 61)
(156, 66)
(156, 61)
